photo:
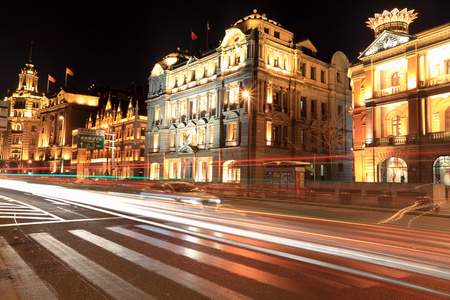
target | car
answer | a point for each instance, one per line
(179, 191)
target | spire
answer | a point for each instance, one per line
(31, 51)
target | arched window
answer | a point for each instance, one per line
(441, 167)
(396, 125)
(231, 171)
(154, 171)
(393, 169)
(395, 79)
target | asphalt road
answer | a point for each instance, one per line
(72, 244)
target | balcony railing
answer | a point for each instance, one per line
(233, 143)
(396, 140)
(435, 81)
(442, 136)
(390, 91)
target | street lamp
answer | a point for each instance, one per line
(21, 153)
(62, 143)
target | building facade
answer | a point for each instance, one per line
(248, 111)
(19, 140)
(59, 115)
(124, 153)
(401, 111)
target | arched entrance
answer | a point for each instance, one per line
(393, 169)
(441, 170)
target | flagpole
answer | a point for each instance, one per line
(48, 82)
(207, 33)
(190, 44)
(65, 83)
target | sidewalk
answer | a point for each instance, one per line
(444, 210)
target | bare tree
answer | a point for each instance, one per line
(330, 135)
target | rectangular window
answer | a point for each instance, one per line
(155, 141)
(303, 69)
(276, 98)
(232, 131)
(313, 73)
(303, 107)
(313, 109)
(266, 30)
(211, 136)
(338, 77)
(276, 34)
(322, 76)
(276, 61)
(201, 136)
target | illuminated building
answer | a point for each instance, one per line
(232, 113)
(20, 138)
(60, 115)
(401, 111)
(126, 157)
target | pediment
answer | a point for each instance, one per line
(386, 40)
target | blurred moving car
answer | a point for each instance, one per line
(179, 191)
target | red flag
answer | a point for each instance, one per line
(207, 26)
(193, 36)
(68, 71)
(50, 78)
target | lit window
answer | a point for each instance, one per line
(231, 171)
(155, 141)
(276, 61)
(396, 126)
(211, 135)
(395, 79)
(154, 171)
(232, 131)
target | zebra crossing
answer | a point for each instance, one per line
(116, 287)
(16, 212)
(117, 241)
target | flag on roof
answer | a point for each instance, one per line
(68, 71)
(193, 36)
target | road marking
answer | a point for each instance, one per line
(207, 259)
(274, 260)
(112, 284)
(26, 283)
(162, 216)
(191, 281)
(65, 221)
(23, 211)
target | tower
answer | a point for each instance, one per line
(20, 137)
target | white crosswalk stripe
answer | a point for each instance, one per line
(112, 284)
(189, 280)
(117, 287)
(214, 261)
(27, 284)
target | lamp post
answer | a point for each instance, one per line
(62, 143)
(246, 95)
(21, 153)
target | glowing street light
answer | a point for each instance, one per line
(62, 144)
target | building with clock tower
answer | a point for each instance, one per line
(20, 138)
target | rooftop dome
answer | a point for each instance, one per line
(255, 15)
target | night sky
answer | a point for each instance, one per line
(113, 45)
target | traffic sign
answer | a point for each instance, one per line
(91, 138)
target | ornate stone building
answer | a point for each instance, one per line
(19, 141)
(249, 111)
(124, 152)
(401, 111)
(59, 115)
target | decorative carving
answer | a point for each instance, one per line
(388, 41)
